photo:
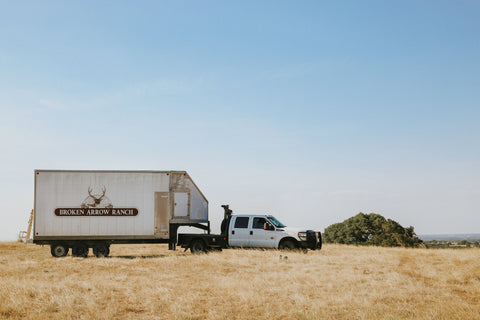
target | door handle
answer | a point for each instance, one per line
(251, 232)
(233, 231)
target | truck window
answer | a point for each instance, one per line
(275, 222)
(241, 222)
(259, 223)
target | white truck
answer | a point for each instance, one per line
(252, 231)
(79, 210)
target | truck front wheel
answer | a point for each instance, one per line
(58, 250)
(198, 246)
(287, 245)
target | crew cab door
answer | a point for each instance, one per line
(239, 232)
(259, 236)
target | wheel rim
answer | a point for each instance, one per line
(59, 251)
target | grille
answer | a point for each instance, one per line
(312, 239)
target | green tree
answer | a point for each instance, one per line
(464, 243)
(371, 229)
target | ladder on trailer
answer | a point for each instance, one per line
(26, 236)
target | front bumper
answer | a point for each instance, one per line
(313, 242)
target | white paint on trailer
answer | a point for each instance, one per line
(124, 189)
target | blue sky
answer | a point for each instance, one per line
(309, 110)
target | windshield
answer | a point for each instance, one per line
(276, 223)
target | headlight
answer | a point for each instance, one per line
(302, 236)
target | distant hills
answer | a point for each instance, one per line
(450, 237)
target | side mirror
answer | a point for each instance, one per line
(268, 227)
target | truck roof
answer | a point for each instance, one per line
(253, 215)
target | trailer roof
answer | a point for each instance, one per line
(114, 171)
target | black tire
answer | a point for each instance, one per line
(58, 250)
(101, 250)
(198, 246)
(80, 250)
(287, 245)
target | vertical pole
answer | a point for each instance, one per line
(172, 244)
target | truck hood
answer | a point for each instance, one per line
(293, 231)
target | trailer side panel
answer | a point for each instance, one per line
(113, 204)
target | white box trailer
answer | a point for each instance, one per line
(82, 209)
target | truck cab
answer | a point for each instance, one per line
(265, 231)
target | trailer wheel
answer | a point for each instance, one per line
(101, 250)
(287, 245)
(198, 246)
(58, 250)
(80, 250)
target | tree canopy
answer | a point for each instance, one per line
(371, 229)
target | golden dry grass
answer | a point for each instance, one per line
(150, 282)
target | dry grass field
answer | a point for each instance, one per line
(150, 282)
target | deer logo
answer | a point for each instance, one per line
(96, 200)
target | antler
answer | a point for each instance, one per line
(103, 190)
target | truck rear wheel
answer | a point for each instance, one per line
(58, 250)
(287, 245)
(101, 250)
(80, 250)
(198, 246)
